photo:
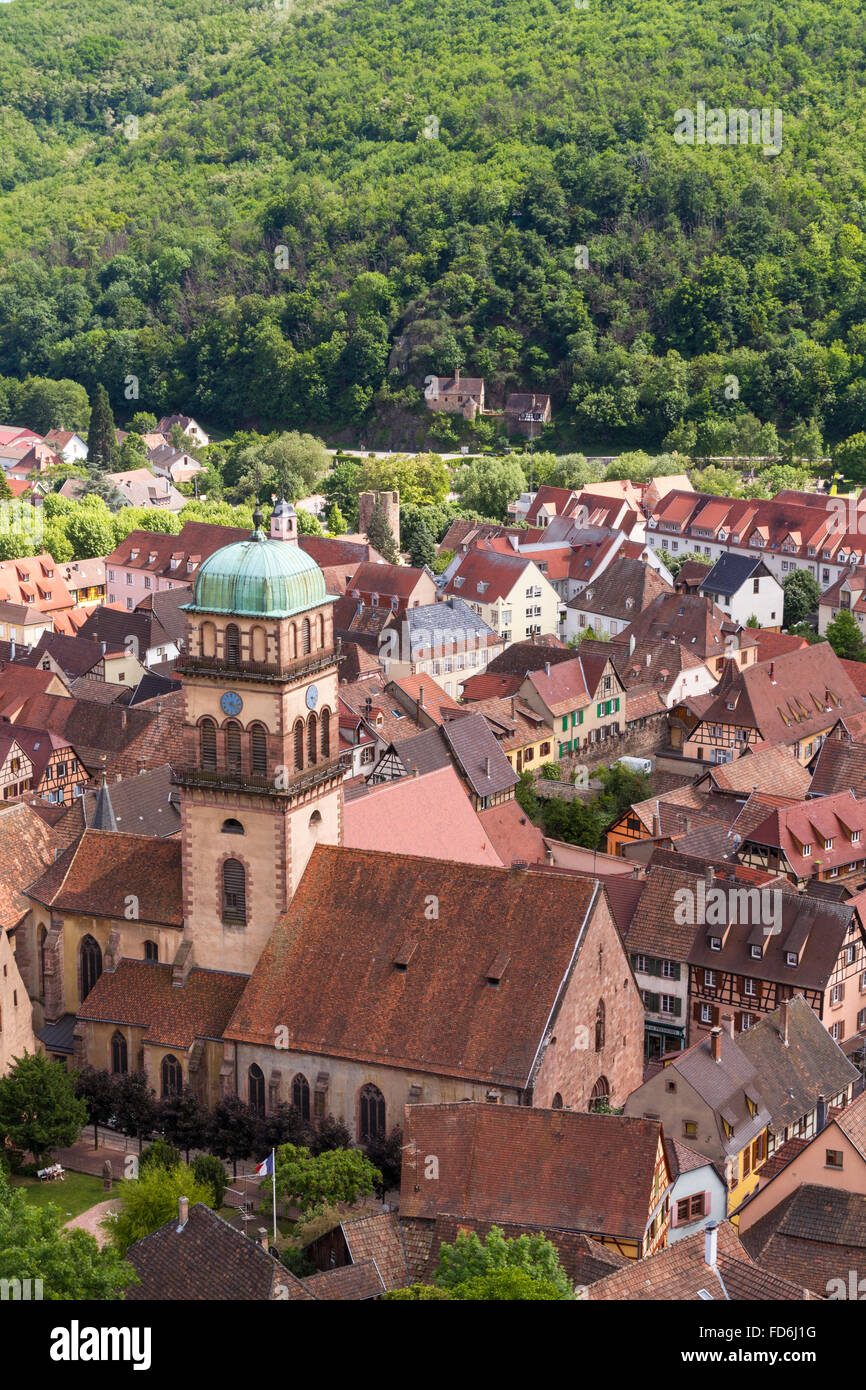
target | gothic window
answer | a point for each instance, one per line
(233, 645)
(301, 1095)
(299, 744)
(556, 1103)
(151, 950)
(207, 736)
(233, 747)
(234, 892)
(259, 750)
(91, 964)
(119, 1062)
(43, 934)
(232, 827)
(600, 1098)
(305, 637)
(256, 1082)
(312, 723)
(371, 1121)
(599, 1026)
(326, 733)
(172, 1076)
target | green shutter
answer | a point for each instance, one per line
(678, 1006)
(564, 722)
(580, 716)
(600, 710)
(616, 705)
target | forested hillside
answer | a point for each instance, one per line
(318, 204)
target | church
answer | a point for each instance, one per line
(206, 963)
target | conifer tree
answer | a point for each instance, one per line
(102, 450)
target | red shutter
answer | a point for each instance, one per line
(741, 983)
(696, 1013)
(716, 1015)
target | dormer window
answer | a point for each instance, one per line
(755, 952)
(807, 850)
(715, 943)
(731, 704)
(133, 554)
(151, 557)
(828, 844)
(791, 958)
(723, 535)
(842, 557)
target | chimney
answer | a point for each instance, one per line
(547, 668)
(420, 697)
(711, 1244)
(657, 828)
(456, 375)
(182, 1212)
(821, 1120)
(103, 647)
(513, 704)
(263, 1237)
(783, 1021)
(716, 1043)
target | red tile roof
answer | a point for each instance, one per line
(483, 576)
(27, 845)
(430, 816)
(140, 993)
(98, 875)
(791, 828)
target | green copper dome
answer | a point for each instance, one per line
(258, 578)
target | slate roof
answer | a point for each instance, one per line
(788, 699)
(772, 769)
(625, 588)
(354, 1282)
(695, 623)
(793, 1076)
(652, 929)
(840, 766)
(681, 1273)
(813, 1235)
(550, 1169)
(97, 875)
(450, 623)
(531, 655)
(423, 753)
(147, 804)
(207, 1260)
(329, 965)
(74, 655)
(478, 755)
(730, 573)
(141, 994)
(723, 1086)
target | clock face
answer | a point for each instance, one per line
(312, 697)
(231, 703)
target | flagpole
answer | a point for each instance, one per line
(274, 1182)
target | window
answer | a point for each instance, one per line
(690, 1129)
(706, 1013)
(749, 985)
(90, 957)
(151, 951)
(371, 1119)
(715, 943)
(234, 892)
(837, 994)
(256, 1089)
(325, 740)
(807, 850)
(828, 844)
(709, 979)
(834, 1158)
(669, 1004)
(599, 1026)
(232, 827)
(301, 1095)
(640, 964)
(259, 750)
(691, 1208)
(791, 958)
(599, 1099)
(172, 1076)
(207, 743)
(299, 744)
(312, 735)
(233, 747)
(232, 645)
(119, 1061)
(306, 640)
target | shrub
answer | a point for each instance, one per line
(159, 1154)
(207, 1170)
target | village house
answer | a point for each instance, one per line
(522, 733)
(455, 394)
(526, 412)
(711, 1097)
(795, 699)
(398, 587)
(35, 581)
(147, 561)
(508, 592)
(611, 602)
(165, 461)
(447, 641)
(694, 623)
(769, 768)
(571, 1176)
(68, 445)
(839, 765)
(85, 580)
(755, 948)
(745, 590)
(811, 841)
(22, 624)
(191, 428)
(816, 1235)
(528, 970)
(57, 774)
(138, 634)
(699, 1196)
(582, 701)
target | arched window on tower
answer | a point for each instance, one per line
(208, 639)
(233, 747)
(301, 1095)
(233, 645)
(320, 632)
(90, 958)
(326, 732)
(232, 826)
(371, 1117)
(312, 734)
(305, 637)
(119, 1056)
(259, 750)
(256, 1083)
(258, 643)
(299, 744)
(207, 743)
(234, 893)
(172, 1076)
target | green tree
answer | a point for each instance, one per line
(380, 535)
(309, 525)
(149, 1201)
(70, 1264)
(802, 593)
(488, 485)
(159, 1154)
(850, 457)
(133, 452)
(509, 1285)
(471, 1258)
(845, 637)
(337, 1175)
(183, 1121)
(524, 794)
(336, 524)
(143, 422)
(423, 548)
(419, 1293)
(98, 1089)
(39, 1110)
(136, 1105)
(209, 1172)
(423, 480)
(102, 450)
(90, 533)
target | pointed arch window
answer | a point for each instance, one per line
(326, 733)
(90, 956)
(172, 1076)
(299, 744)
(259, 750)
(119, 1055)
(301, 1095)
(305, 637)
(312, 732)
(599, 1026)
(207, 741)
(233, 747)
(233, 645)
(371, 1119)
(234, 893)
(600, 1098)
(43, 936)
(256, 1085)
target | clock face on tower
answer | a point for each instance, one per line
(312, 697)
(231, 703)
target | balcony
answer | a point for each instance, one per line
(222, 779)
(219, 669)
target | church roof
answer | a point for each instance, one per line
(259, 578)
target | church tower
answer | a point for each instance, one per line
(260, 780)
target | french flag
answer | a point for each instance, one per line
(266, 1169)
